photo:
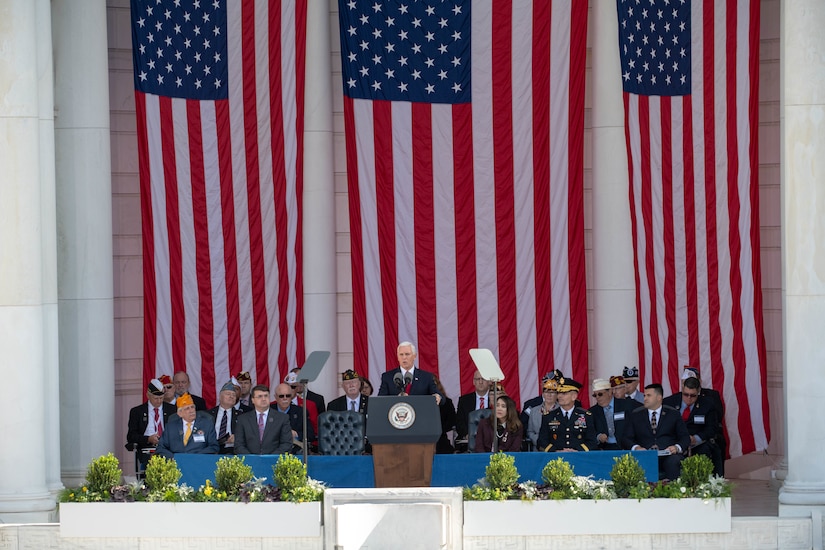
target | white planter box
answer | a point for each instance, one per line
(189, 519)
(596, 517)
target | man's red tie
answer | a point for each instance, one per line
(158, 425)
(686, 414)
(480, 402)
(407, 388)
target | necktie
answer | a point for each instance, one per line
(653, 422)
(224, 425)
(352, 405)
(407, 387)
(187, 434)
(611, 427)
(686, 414)
(261, 427)
(158, 425)
(480, 402)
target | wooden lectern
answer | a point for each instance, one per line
(403, 432)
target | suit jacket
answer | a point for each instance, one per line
(139, 419)
(318, 399)
(621, 410)
(557, 432)
(423, 383)
(466, 405)
(340, 404)
(277, 434)
(702, 421)
(484, 439)
(296, 421)
(233, 421)
(529, 405)
(203, 439)
(670, 430)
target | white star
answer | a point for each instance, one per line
(416, 22)
(365, 19)
(376, 85)
(351, 57)
(456, 36)
(390, 47)
(402, 87)
(429, 36)
(456, 10)
(402, 35)
(456, 62)
(430, 10)
(376, 33)
(351, 4)
(416, 74)
(179, 82)
(141, 22)
(390, 21)
(442, 48)
(168, 67)
(364, 45)
(416, 48)
(217, 83)
(456, 87)
(390, 73)
(429, 62)
(364, 71)
(430, 89)
(442, 23)
(376, 7)
(160, 79)
(142, 75)
(402, 60)
(443, 74)
(402, 8)
(351, 83)
(351, 30)
(376, 59)
(198, 84)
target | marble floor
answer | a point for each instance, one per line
(755, 497)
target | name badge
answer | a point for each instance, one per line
(699, 419)
(618, 416)
(199, 438)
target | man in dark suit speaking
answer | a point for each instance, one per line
(660, 427)
(262, 431)
(406, 379)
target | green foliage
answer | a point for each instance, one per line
(696, 470)
(481, 492)
(103, 473)
(289, 473)
(639, 491)
(671, 489)
(161, 474)
(558, 474)
(231, 473)
(501, 472)
(210, 493)
(626, 474)
(81, 494)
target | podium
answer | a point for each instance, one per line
(403, 432)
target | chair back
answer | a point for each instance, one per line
(475, 417)
(341, 433)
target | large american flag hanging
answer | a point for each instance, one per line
(464, 133)
(219, 88)
(690, 76)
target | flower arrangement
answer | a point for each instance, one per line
(234, 483)
(627, 481)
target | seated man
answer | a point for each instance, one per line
(262, 431)
(568, 427)
(245, 381)
(353, 399)
(146, 422)
(610, 415)
(192, 431)
(283, 405)
(701, 420)
(181, 382)
(618, 386)
(660, 427)
(631, 378)
(226, 417)
(469, 402)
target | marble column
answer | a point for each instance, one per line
(613, 293)
(51, 359)
(802, 61)
(24, 496)
(320, 305)
(84, 214)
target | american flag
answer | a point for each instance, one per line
(690, 75)
(464, 133)
(219, 90)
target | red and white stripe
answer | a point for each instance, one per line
(467, 220)
(695, 218)
(221, 185)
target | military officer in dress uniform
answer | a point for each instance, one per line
(567, 428)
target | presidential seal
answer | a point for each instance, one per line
(401, 416)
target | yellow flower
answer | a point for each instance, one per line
(208, 491)
(85, 489)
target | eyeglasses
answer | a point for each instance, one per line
(282, 395)
(599, 393)
(168, 387)
(293, 386)
(690, 395)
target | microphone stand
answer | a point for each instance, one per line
(305, 441)
(495, 418)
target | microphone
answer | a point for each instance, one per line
(398, 379)
(408, 378)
